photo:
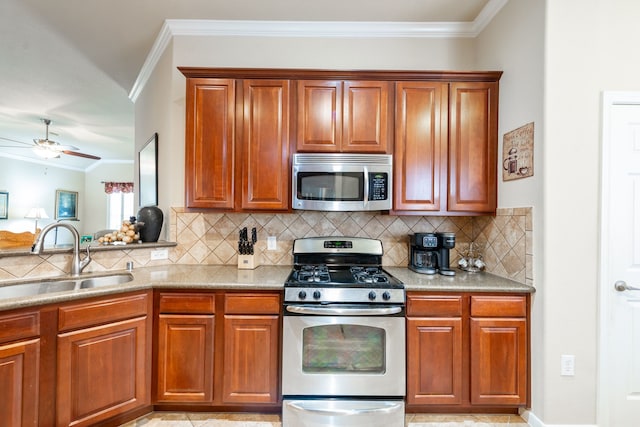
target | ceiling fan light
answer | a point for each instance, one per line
(46, 153)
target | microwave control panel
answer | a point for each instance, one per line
(378, 185)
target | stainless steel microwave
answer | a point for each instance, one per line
(342, 182)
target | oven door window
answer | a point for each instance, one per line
(343, 348)
(331, 186)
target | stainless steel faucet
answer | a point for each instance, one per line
(77, 265)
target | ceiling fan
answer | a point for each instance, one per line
(49, 149)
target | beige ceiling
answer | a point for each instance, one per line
(76, 61)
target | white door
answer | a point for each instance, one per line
(619, 377)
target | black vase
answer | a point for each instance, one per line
(151, 217)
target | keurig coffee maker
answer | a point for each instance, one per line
(429, 253)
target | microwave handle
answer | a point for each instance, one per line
(366, 186)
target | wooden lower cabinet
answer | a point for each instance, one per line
(185, 358)
(218, 349)
(434, 361)
(19, 368)
(251, 349)
(19, 383)
(102, 362)
(467, 352)
(185, 347)
(499, 350)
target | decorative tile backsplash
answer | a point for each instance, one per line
(212, 238)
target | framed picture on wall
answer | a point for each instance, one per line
(148, 172)
(4, 205)
(66, 204)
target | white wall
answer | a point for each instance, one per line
(514, 43)
(156, 111)
(589, 49)
(34, 185)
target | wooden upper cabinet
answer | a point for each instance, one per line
(343, 116)
(319, 116)
(237, 144)
(210, 143)
(420, 150)
(264, 168)
(473, 147)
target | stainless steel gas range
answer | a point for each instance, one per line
(343, 336)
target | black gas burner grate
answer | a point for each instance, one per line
(368, 275)
(313, 273)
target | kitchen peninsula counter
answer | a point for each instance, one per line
(266, 277)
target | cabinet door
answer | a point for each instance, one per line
(102, 372)
(473, 147)
(366, 116)
(498, 361)
(434, 361)
(319, 116)
(265, 145)
(420, 151)
(185, 358)
(210, 143)
(19, 383)
(251, 359)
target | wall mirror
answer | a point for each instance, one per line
(148, 172)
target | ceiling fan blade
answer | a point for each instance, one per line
(61, 147)
(13, 140)
(78, 154)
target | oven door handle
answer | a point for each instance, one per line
(337, 311)
(385, 408)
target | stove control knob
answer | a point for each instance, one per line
(372, 295)
(316, 294)
(302, 294)
(386, 296)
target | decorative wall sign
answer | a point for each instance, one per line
(66, 204)
(517, 153)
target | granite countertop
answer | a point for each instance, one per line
(266, 277)
(95, 247)
(462, 282)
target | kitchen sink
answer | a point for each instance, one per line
(114, 279)
(46, 286)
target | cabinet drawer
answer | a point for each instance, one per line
(102, 311)
(18, 326)
(188, 303)
(252, 304)
(499, 306)
(434, 305)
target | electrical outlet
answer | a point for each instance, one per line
(272, 243)
(567, 365)
(158, 254)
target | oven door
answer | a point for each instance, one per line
(343, 355)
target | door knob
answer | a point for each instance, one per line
(622, 286)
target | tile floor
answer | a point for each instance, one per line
(170, 419)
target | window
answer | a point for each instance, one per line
(120, 207)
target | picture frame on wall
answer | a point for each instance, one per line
(66, 204)
(148, 172)
(4, 205)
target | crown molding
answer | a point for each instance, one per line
(327, 29)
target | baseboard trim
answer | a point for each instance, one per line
(534, 421)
